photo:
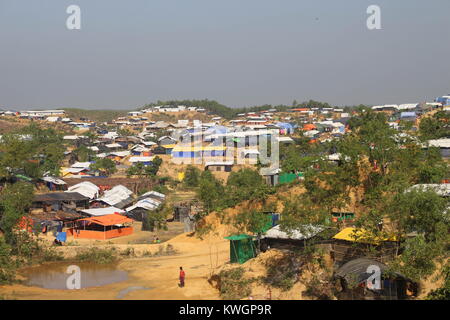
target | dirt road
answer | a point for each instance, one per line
(152, 278)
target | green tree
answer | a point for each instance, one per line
(15, 200)
(104, 165)
(136, 170)
(32, 151)
(210, 192)
(245, 184)
(157, 219)
(191, 177)
(83, 153)
(435, 127)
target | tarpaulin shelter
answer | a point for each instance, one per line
(285, 127)
(275, 237)
(242, 248)
(309, 126)
(355, 280)
(102, 227)
(289, 177)
(352, 243)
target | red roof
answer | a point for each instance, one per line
(300, 109)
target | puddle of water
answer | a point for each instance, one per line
(126, 291)
(54, 275)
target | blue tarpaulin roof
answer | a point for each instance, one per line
(284, 125)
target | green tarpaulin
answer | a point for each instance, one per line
(242, 248)
(289, 177)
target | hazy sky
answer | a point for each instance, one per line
(239, 52)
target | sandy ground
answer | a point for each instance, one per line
(199, 259)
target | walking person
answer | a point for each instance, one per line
(182, 276)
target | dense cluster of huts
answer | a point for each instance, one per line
(85, 210)
(99, 211)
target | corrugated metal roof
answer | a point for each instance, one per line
(303, 233)
(118, 196)
(147, 204)
(102, 211)
(141, 159)
(85, 188)
(59, 196)
(54, 180)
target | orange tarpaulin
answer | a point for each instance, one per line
(108, 220)
(309, 126)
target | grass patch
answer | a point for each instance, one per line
(98, 255)
(163, 250)
(128, 252)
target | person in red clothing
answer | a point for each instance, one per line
(182, 276)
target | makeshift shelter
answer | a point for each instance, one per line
(119, 196)
(141, 208)
(355, 282)
(55, 201)
(242, 248)
(187, 152)
(144, 160)
(289, 177)
(346, 218)
(309, 127)
(277, 238)
(270, 175)
(181, 211)
(54, 184)
(85, 188)
(96, 212)
(153, 194)
(102, 227)
(351, 243)
(408, 116)
(166, 140)
(47, 221)
(225, 166)
(285, 127)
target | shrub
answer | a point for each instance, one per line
(232, 285)
(128, 252)
(97, 255)
(7, 266)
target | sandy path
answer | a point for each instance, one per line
(159, 274)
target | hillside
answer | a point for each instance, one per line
(95, 115)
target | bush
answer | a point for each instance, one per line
(7, 265)
(128, 252)
(284, 271)
(97, 255)
(191, 177)
(161, 189)
(232, 285)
